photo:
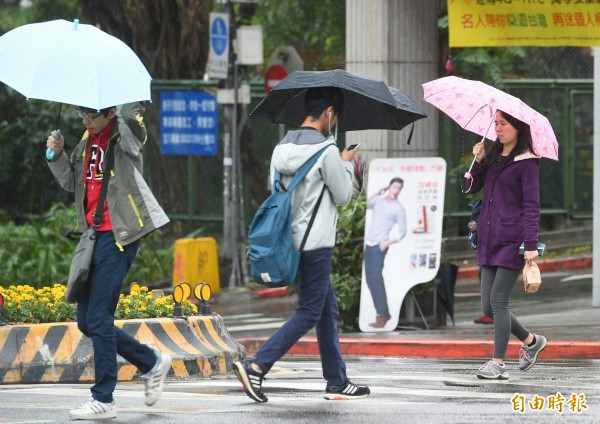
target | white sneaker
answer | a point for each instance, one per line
(91, 409)
(155, 378)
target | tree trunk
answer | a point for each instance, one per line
(171, 37)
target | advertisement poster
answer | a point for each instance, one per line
(403, 235)
(488, 23)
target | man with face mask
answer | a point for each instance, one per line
(332, 176)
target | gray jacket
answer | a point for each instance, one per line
(134, 211)
(288, 156)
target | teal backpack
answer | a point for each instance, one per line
(273, 260)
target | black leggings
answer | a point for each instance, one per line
(497, 284)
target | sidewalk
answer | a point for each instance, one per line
(562, 312)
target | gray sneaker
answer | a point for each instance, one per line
(492, 370)
(528, 355)
(155, 378)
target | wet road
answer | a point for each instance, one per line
(403, 390)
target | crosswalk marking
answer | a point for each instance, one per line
(252, 321)
(400, 386)
(177, 391)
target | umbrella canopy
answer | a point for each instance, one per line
(72, 63)
(368, 103)
(473, 105)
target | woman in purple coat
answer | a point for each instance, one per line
(508, 173)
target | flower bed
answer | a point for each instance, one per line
(27, 305)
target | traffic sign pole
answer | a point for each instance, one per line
(235, 245)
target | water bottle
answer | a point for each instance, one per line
(50, 152)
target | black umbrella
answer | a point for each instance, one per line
(368, 103)
(447, 274)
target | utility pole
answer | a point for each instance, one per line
(234, 233)
(231, 190)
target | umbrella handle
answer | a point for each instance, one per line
(468, 173)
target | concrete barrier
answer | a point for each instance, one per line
(59, 353)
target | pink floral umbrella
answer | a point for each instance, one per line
(473, 105)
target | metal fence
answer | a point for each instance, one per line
(565, 186)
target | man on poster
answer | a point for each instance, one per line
(387, 212)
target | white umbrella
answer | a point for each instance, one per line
(72, 63)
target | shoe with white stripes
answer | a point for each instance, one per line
(155, 378)
(91, 409)
(347, 391)
(251, 380)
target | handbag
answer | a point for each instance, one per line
(532, 279)
(80, 265)
(82, 259)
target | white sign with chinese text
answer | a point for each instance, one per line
(403, 235)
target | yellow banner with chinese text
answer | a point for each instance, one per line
(495, 23)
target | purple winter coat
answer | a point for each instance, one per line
(510, 210)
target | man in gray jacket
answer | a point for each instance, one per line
(130, 212)
(317, 306)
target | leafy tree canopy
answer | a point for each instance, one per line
(317, 29)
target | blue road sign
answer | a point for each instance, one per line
(219, 36)
(189, 123)
(218, 60)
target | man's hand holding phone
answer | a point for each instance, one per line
(348, 152)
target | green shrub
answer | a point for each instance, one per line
(347, 293)
(39, 253)
(347, 260)
(153, 262)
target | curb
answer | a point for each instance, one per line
(59, 353)
(575, 262)
(545, 265)
(466, 348)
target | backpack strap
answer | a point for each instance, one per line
(301, 173)
(312, 219)
(97, 215)
(277, 186)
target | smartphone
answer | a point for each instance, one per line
(352, 147)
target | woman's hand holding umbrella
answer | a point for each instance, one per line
(479, 151)
(478, 155)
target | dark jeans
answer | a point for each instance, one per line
(317, 307)
(374, 258)
(96, 312)
(497, 284)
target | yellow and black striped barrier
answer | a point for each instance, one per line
(59, 353)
